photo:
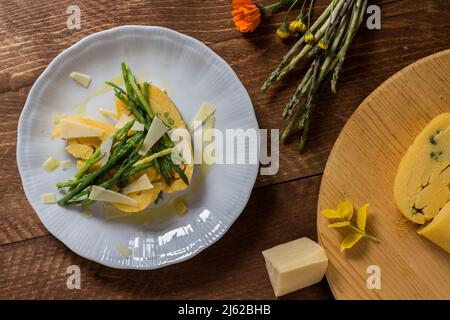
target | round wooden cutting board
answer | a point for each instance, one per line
(362, 168)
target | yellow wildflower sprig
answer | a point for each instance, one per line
(309, 37)
(344, 213)
(323, 43)
(283, 31)
(297, 25)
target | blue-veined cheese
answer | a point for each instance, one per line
(438, 230)
(421, 186)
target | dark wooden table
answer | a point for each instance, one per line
(282, 207)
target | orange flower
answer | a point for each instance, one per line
(246, 15)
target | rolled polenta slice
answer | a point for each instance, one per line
(166, 110)
(143, 198)
(421, 187)
(438, 230)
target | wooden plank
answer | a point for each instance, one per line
(374, 56)
(17, 219)
(32, 34)
(233, 268)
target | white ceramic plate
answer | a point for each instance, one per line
(191, 73)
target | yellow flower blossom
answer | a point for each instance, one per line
(283, 32)
(309, 37)
(323, 44)
(297, 26)
(344, 212)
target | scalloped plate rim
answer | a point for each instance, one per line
(35, 87)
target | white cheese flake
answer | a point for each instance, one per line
(202, 114)
(81, 78)
(181, 139)
(109, 114)
(74, 129)
(48, 198)
(180, 206)
(65, 164)
(105, 150)
(87, 212)
(208, 132)
(124, 251)
(155, 132)
(142, 183)
(50, 164)
(100, 194)
(124, 119)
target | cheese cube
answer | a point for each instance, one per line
(48, 198)
(180, 206)
(295, 265)
(81, 78)
(65, 164)
(124, 251)
(50, 164)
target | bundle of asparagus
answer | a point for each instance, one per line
(125, 160)
(326, 42)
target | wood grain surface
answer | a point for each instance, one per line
(32, 33)
(362, 167)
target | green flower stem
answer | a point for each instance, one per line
(277, 5)
(291, 125)
(356, 19)
(309, 13)
(307, 48)
(294, 49)
(289, 10)
(365, 234)
(334, 45)
(297, 94)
